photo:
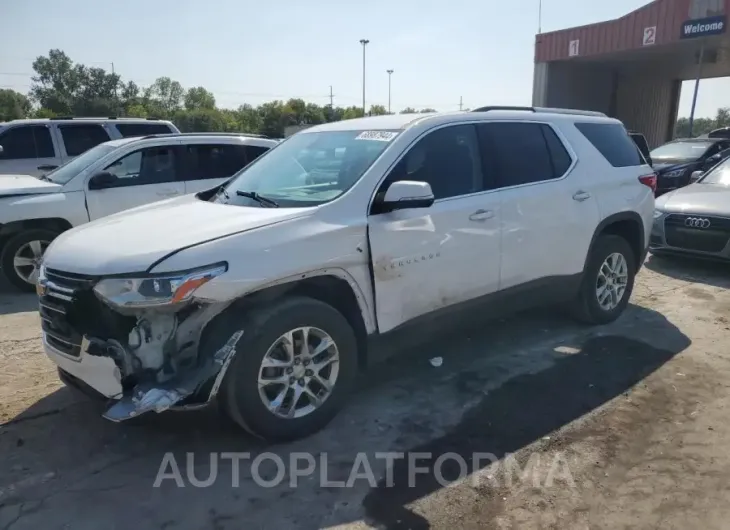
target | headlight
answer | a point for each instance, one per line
(658, 214)
(674, 173)
(156, 290)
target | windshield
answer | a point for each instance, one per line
(308, 169)
(73, 167)
(681, 150)
(719, 175)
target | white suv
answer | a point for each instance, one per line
(266, 291)
(37, 146)
(106, 179)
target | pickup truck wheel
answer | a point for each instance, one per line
(21, 257)
(608, 281)
(292, 370)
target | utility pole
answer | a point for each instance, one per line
(364, 43)
(539, 16)
(390, 74)
(697, 88)
(332, 98)
(461, 102)
(116, 95)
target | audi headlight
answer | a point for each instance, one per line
(156, 290)
(674, 173)
(658, 214)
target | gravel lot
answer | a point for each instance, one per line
(635, 414)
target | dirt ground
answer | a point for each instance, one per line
(634, 415)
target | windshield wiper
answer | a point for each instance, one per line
(258, 198)
(223, 192)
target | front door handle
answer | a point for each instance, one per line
(581, 196)
(481, 215)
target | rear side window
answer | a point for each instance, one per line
(79, 138)
(211, 161)
(523, 152)
(254, 151)
(613, 142)
(142, 129)
(31, 141)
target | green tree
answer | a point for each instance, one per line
(377, 110)
(13, 105)
(163, 98)
(198, 98)
(428, 110)
(408, 110)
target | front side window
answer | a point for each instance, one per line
(718, 175)
(23, 142)
(80, 138)
(309, 168)
(154, 165)
(447, 158)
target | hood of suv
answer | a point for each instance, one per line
(706, 199)
(25, 185)
(132, 241)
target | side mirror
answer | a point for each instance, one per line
(1, 149)
(696, 175)
(406, 194)
(102, 181)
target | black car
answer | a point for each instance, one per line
(674, 162)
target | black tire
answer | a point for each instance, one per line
(11, 247)
(586, 307)
(238, 396)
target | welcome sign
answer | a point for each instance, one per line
(703, 27)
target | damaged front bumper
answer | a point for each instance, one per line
(146, 360)
(93, 374)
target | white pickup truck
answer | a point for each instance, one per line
(265, 292)
(111, 177)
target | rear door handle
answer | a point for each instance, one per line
(581, 196)
(481, 215)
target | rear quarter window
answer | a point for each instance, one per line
(142, 129)
(613, 142)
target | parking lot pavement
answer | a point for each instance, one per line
(613, 427)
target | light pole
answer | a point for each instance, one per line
(390, 74)
(364, 43)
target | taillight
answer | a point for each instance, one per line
(649, 180)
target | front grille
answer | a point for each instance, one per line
(58, 307)
(714, 238)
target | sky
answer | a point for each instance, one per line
(479, 52)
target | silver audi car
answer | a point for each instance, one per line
(695, 219)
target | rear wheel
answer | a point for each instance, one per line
(21, 257)
(292, 370)
(608, 281)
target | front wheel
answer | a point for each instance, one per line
(21, 257)
(293, 369)
(608, 281)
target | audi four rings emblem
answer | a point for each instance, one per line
(697, 222)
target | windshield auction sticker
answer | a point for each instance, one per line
(378, 136)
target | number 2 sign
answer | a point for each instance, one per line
(649, 36)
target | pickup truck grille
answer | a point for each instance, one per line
(57, 310)
(712, 238)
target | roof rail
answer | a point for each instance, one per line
(248, 135)
(101, 118)
(503, 107)
(542, 109)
